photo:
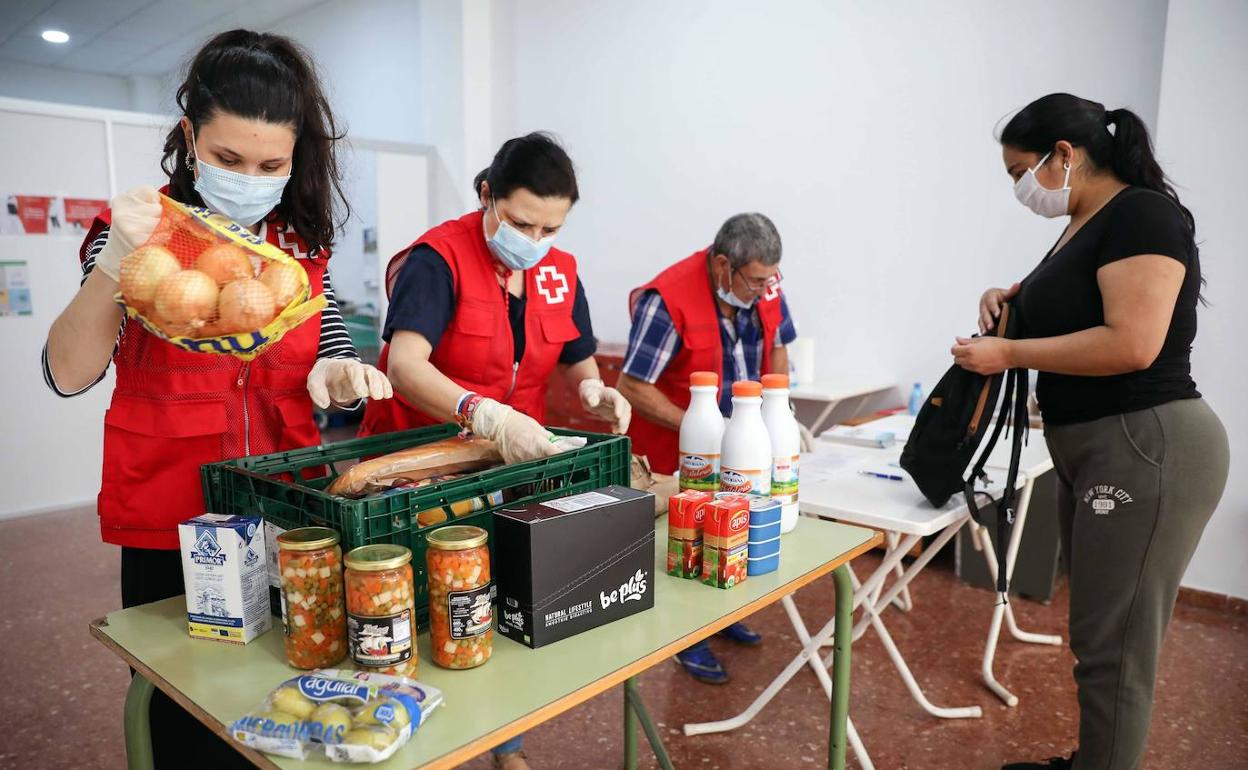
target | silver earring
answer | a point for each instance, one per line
(190, 162)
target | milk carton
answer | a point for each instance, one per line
(224, 569)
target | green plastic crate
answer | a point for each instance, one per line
(287, 488)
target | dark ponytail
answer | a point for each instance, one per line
(1114, 140)
(534, 162)
(256, 75)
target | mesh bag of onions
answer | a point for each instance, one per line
(209, 285)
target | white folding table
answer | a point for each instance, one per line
(832, 392)
(833, 487)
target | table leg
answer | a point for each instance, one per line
(138, 726)
(843, 636)
(630, 733)
(818, 423)
(636, 707)
(1002, 610)
(903, 602)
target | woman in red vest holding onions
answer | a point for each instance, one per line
(256, 144)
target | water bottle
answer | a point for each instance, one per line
(916, 398)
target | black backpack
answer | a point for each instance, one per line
(950, 428)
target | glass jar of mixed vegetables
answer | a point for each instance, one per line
(310, 562)
(460, 615)
(381, 609)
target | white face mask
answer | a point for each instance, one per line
(1040, 199)
(729, 296)
(243, 198)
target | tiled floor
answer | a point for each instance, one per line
(61, 693)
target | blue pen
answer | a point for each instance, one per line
(885, 476)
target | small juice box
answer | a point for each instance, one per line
(224, 569)
(685, 512)
(725, 537)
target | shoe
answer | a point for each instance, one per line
(738, 633)
(1056, 763)
(702, 665)
(516, 760)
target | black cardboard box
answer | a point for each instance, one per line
(568, 565)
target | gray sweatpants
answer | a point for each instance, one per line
(1135, 493)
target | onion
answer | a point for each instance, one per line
(282, 278)
(142, 270)
(246, 306)
(225, 262)
(187, 298)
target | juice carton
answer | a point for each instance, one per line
(685, 512)
(725, 535)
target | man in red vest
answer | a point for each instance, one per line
(719, 310)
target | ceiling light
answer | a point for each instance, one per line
(55, 36)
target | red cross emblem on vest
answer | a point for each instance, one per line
(773, 288)
(551, 284)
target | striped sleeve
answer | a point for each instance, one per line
(88, 265)
(335, 339)
(652, 340)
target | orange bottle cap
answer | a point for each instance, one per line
(774, 381)
(704, 378)
(747, 388)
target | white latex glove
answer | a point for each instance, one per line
(343, 380)
(606, 404)
(135, 215)
(519, 436)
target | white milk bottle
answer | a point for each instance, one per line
(745, 461)
(786, 446)
(701, 430)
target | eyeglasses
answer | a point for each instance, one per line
(760, 285)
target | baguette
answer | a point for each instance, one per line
(452, 455)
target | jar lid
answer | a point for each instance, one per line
(375, 558)
(307, 539)
(458, 537)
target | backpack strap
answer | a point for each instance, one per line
(977, 472)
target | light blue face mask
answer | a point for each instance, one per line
(513, 248)
(243, 198)
(731, 298)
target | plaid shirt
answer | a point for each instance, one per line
(652, 341)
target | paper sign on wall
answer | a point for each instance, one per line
(14, 289)
(49, 214)
(80, 212)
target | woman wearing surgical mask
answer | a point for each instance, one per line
(1108, 319)
(256, 144)
(484, 308)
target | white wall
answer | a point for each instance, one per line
(51, 452)
(52, 84)
(368, 56)
(863, 130)
(1204, 107)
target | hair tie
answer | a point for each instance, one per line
(1111, 123)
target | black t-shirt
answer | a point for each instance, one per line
(423, 300)
(1061, 296)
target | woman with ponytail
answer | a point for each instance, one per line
(1108, 320)
(255, 142)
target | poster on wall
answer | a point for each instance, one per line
(81, 212)
(14, 289)
(48, 214)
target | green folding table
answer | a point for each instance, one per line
(518, 688)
